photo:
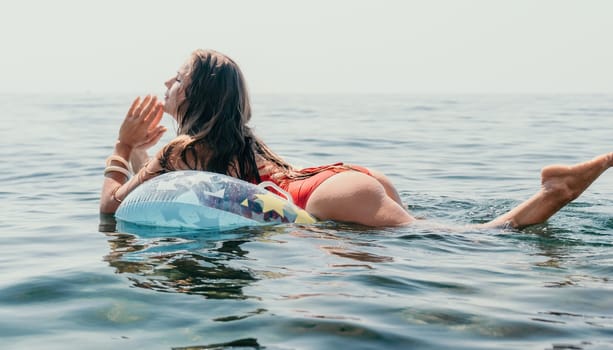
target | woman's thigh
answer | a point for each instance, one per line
(353, 196)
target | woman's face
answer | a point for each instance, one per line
(175, 93)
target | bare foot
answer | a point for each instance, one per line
(568, 182)
(560, 184)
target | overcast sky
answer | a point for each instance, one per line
(312, 46)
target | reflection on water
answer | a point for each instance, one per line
(248, 343)
(182, 271)
(186, 262)
(202, 262)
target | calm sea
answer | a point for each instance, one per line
(455, 160)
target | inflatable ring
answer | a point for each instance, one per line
(205, 200)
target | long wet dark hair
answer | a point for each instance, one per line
(215, 114)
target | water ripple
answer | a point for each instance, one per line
(439, 284)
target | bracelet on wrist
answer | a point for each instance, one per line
(117, 169)
(120, 159)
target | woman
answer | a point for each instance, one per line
(208, 99)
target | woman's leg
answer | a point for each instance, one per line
(560, 184)
(353, 196)
(356, 197)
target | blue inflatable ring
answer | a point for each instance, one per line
(204, 200)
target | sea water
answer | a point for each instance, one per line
(69, 282)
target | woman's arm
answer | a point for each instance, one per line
(140, 127)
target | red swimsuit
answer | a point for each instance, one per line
(301, 189)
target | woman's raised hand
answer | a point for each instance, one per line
(140, 128)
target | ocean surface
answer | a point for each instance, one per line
(456, 160)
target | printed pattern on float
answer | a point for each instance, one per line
(205, 200)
